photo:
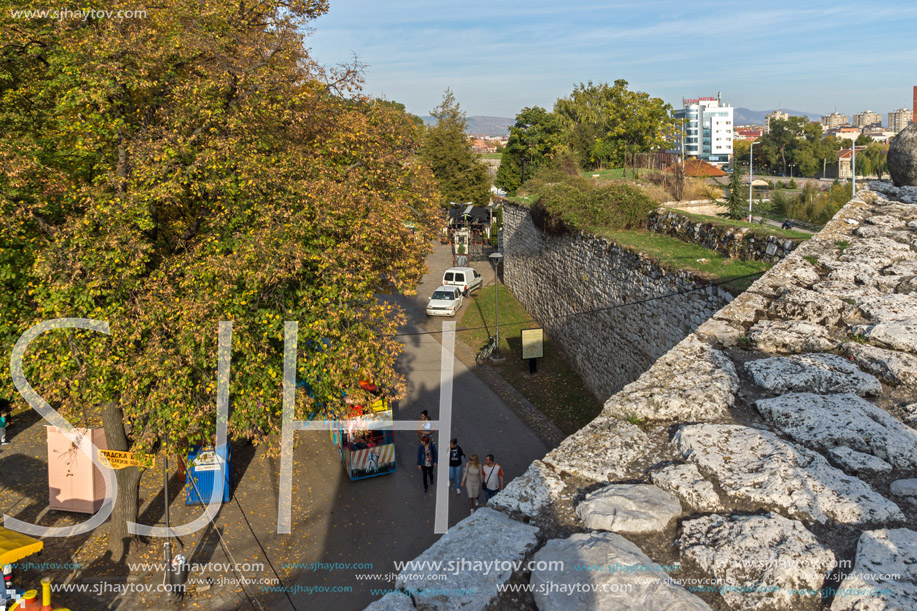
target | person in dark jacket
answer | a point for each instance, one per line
(426, 459)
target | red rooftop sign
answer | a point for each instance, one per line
(697, 100)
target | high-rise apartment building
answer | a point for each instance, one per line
(867, 118)
(708, 129)
(773, 116)
(899, 119)
(835, 119)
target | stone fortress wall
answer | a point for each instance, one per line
(555, 278)
(768, 460)
(739, 243)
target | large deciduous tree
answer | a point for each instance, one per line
(534, 139)
(192, 166)
(606, 122)
(460, 175)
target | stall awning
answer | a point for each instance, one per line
(15, 546)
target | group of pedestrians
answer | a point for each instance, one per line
(470, 473)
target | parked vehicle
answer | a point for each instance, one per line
(466, 278)
(446, 301)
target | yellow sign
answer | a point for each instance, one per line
(119, 460)
(533, 343)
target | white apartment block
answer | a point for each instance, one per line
(773, 116)
(835, 119)
(899, 119)
(708, 129)
(867, 118)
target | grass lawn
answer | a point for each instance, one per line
(756, 228)
(525, 200)
(490, 155)
(674, 254)
(555, 389)
(610, 174)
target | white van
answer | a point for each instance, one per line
(466, 278)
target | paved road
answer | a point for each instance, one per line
(372, 522)
(390, 517)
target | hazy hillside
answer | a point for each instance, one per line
(483, 126)
(744, 116)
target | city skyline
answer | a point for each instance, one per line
(499, 58)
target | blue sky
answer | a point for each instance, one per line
(502, 55)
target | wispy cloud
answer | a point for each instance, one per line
(501, 56)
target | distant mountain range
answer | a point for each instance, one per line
(744, 116)
(483, 126)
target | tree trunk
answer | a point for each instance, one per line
(127, 501)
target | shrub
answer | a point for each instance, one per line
(818, 208)
(577, 204)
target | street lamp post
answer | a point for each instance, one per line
(853, 192)
(751, 175)
(495, 259)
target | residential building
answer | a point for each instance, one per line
(867, 118)
(708, 129)
(748, 132)
(844, 132)
(879, 134)
(773, 116)
(899, 119)
(845, 161)
(835, 119)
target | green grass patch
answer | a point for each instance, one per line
(842, 245)
(525, 200)
(555, 389)
(756, 228)
(674, 254)
(610, 174)
(490, 155)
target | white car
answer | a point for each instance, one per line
(466, 278)
(446, 301)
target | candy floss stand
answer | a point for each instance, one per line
(74, 483)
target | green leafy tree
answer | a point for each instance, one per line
(871, 160)
(736, 201)
(606, 122)
(167, 173)
(534, 139)
(460, 175)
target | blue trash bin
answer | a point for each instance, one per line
(204, 467)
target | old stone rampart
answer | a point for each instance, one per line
(631, 324)
(767, 461)
(737, 242)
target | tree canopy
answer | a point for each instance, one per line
(166, 173)
(605, 122)
(534, 139)
(460, 175)
(793, 141)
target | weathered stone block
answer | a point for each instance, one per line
(591, 587)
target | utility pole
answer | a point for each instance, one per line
(751, 174)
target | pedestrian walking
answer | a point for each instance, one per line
(456, 460)
(426, 426)
(426, 459)
(472, 480)
(493, 477)
(5, 416)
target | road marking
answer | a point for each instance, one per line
(446, 374)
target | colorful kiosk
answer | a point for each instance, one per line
(365, 437)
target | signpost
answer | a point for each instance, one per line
(532, 347)
(121, 460)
